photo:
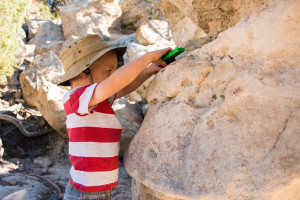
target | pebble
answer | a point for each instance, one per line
(44, 162)
(45, 171)
(12, 182)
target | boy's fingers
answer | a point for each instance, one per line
(166, 50)
(169, 49)
(164, 63)
(161, 62)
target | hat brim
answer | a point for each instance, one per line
(83, 64)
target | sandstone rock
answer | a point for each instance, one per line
(95, 16)
(43, 161)
(12, 182)
(21, 52)
(155, 32)
(30, 185)
(53, 46)
(191, 19)
(33, 25)
(19, 195)
(22, 35)
(120, 40)
(49, 37)
(197, 43)
(273, 39)
(223, 121)
(136, 12)
(135, 50)
(39, 87)
(142, 90)
(30, 52)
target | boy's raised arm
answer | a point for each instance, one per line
(142, 77)
(126, 75)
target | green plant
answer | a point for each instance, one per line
(45, 12)
(53, 6)
(12, 15)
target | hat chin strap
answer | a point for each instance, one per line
(90, 79)
(88, 72)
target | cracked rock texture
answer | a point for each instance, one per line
(191, 19)
(38, 82)
(223, 121)
(93, 16)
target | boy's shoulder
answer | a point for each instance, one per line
(72, 91)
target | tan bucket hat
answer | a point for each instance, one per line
(79, 54)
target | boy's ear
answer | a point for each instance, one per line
(83, 75)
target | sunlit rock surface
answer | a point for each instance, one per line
(191, 19)
(223, 121)
(94, 16)
(39, 88)
(137, 12)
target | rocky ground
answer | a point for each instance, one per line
(38, 164)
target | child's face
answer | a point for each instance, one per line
(104, 66)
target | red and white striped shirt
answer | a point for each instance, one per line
(94, 140)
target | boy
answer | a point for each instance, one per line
(93, 129)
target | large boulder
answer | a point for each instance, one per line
(223, 122)
(39, 88)
(192, 19)
(94, 16)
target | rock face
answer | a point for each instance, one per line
(33, 25)
(94, 16)
(151, 36)
(223, 122)
(137, 12)
(192, 19)
(39, 88)
(49, 37)
(154, 32)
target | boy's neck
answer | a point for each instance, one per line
(79, 82)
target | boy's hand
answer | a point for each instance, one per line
(156, 56)
(153, 69)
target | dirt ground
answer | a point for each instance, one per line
(39, 164)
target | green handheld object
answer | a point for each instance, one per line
(170, 57)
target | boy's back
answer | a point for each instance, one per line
(94, 136)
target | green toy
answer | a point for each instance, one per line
(170, 57)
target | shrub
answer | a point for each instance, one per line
(12, 15)
(53, 6)
(45, 13)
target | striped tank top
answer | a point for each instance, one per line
(94, 140)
